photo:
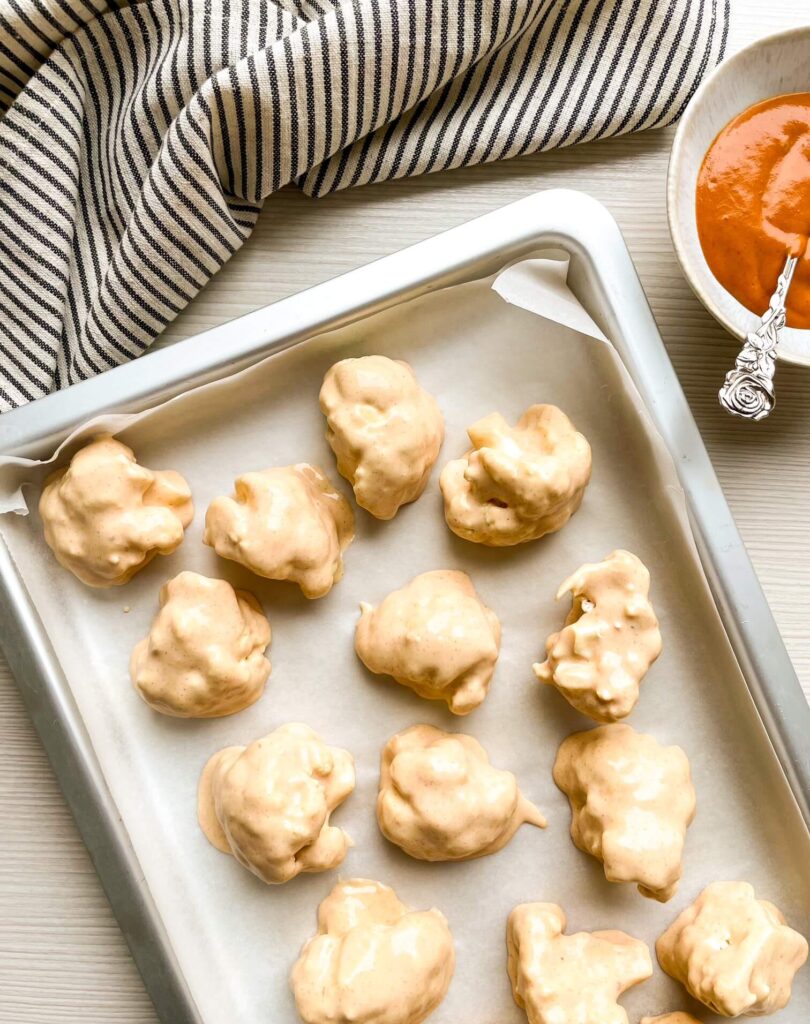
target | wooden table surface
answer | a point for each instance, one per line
(62, 957)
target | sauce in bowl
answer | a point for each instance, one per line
(753, 204)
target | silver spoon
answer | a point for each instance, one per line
(748, 388)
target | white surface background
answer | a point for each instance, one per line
(62, 958)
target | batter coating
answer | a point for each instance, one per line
(570, 979)
(440, 799)
(287, 523)
(632, 801)
(434, 635)
(609, 640)
(204, 655)
(678, 1017)
(733, 952)
(384, 428)
(372, 960)
(517, 483)
(269, 804)
(105, 517)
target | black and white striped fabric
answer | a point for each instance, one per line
(138, 140)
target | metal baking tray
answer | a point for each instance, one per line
(603, 279)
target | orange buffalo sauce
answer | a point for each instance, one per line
(753, 204)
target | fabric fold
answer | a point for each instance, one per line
(140, 139)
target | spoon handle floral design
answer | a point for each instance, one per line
(748, 388)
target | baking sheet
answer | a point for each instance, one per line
(234, 937)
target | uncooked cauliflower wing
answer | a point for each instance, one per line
(632, 801)
(384, 428)
(440, 799)
(372, 960)
(517, 483)
(434, 635)
(609, 640)
(105, 516)
(570, 979)
(204, 655)
(286, 523)
(732, 951)
(269, 804)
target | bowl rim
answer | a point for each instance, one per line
(675, 160)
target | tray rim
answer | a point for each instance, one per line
(558, 218)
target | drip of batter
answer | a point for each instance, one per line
(678, 1017)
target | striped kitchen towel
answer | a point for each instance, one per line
(139, 139)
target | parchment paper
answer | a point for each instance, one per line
(237, 938)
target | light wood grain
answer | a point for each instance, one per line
(62, 957)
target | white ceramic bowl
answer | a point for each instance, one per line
(770, 67)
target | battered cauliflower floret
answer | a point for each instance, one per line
(678, 1017)
(609, 640)
(441, 799)
(434, 635)
(733, 952)
(204, 655)
(517, 483)
(287, 523)
(570, 979)
(269, 804)
(105, 517)
(632, 801)
(372, 960)
(384, 428)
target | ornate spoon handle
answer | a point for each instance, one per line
(748, 388)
